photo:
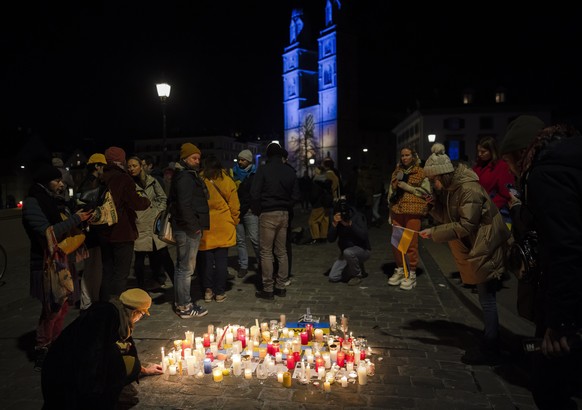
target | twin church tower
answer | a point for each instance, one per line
(320, 91)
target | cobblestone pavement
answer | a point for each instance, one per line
(417, 338)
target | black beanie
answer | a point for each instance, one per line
(520, 133)
(274, 149)
(45, 173)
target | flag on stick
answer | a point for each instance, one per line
(401, 238)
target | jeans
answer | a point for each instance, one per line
(488, 303)
(91, 279)
(349, 264)
(186, 252)
(214, 268)
(247, 228)
(272, 240)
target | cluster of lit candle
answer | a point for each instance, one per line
(305, 353)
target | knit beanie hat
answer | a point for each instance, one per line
(57, 162)
(274, 149)
(246, 154)
(520, 132)
(188, 149)
(45, 173)
(97, 159)
(115, 155)
(136, 298)
(438, 163)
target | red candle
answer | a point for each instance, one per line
(241, 334)
(206, 341)
(297, 356)
(290, 362)
(341, 356)
(363, 354)
(304, 338)
(319, 362)
(309, 331)
(350, 357)
(270, 349)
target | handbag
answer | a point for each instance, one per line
(58, 283)
(106, 213)
(163, 227)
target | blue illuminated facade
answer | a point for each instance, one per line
(317, 120)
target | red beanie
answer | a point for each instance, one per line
(115, 155)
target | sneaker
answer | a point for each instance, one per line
(208, 295)
(355, 281)
(220, 298)
(287, 282)
(191, 311)
(409, 283)
(40, 356)
(167, 285)
(242, 272)
(397, 278)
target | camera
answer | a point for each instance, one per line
(343, 208)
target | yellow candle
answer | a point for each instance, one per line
(287, 379)
(248, 374)
(217, 375)
(326, 387)
(280, 377)
(344, 381)
(319, 335)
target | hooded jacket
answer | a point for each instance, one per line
(473, 227)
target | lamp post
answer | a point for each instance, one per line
(164, 93)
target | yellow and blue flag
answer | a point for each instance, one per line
(401, 238)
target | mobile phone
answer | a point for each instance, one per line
(512, 189)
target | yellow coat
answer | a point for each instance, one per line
(224, 213)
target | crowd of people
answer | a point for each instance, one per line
(473, 208)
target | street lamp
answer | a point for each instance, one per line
(431, 137)
(164, 93)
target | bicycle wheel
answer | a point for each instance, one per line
(3, 264)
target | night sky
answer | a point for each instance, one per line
(86, 71)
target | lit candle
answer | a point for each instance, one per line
(206, 342)
(304, 338)
(350, 366)
(210, 329)
(362, 374)
(318, 335)
(356, 355)
(207, 366)
(326, 387)
(290, 362)
(236, 364)
(319, 362)
(341, 356)
(321, 373)
(198, 342)
(309, 358)
(248, 374)
(266, 335)
(309, 331)
(287, 379)
(189, 337)
(344, 381)
(278, 357)
(264, 326)
(229, 338)
(326, 360)
(217, 375)
(187, 352)
(291, 333)
(285, 333)
(241, 335)
(173, 370)
(190, 365)
(280, 377)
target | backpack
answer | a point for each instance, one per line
(322, 193)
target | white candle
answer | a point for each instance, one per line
(344, 381)
(189, 337)
(310, 358)
(236, 364)
(278, 357)
(217, 375)
(326, 387)
(332, 321)
(356, 355)
(187, 352)
(264, 326)
(319, 335)
(172, 370)
(350, 366)
(229, 338)
(280, 377)
(362, 374)
(320, 372)
(283, 320)
(190, 365)
(211, 337)
(248, 374)
(285, 333)
(291, 333)
(327, 360)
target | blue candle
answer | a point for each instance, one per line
(207, 366)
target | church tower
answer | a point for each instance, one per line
(319, 93)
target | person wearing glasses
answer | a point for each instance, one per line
(95, 356)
